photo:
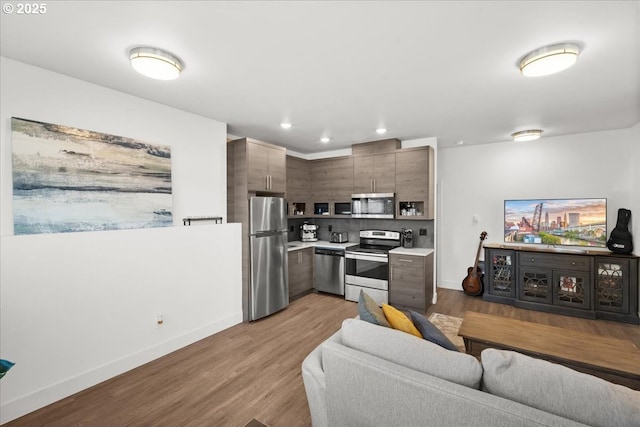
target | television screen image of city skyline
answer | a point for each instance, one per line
(590, 211)
(572, 222)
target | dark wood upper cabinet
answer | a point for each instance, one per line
(298, 180)
(415, 183)
(332, 179)
(374, 174)
(325, 186)
(267, 170)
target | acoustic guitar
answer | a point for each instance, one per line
(472, 284)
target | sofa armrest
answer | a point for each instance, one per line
(314, 382)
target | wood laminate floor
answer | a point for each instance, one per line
(251, 370)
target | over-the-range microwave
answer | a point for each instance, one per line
(373, 205)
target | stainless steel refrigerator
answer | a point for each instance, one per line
(269, 290)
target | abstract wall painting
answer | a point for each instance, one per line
(69, 180)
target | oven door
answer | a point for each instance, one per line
(367, 270)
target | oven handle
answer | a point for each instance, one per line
(383, 259)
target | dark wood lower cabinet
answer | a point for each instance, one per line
(300, 272)
(593, 285)
(411, 281)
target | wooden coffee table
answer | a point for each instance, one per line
(614, 360)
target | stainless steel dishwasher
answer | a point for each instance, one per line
(329, 270)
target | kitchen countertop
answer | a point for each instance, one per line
(411, 251)
(295, 245)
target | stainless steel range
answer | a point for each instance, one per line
(367, 265)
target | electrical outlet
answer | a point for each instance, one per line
(423, 231)
(330, 227)
(159, 319)
(292, 229)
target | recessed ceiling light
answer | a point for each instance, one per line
(325, 139)
(381, 131)
(285, 125)
(155, 63)
(526, 135)
(549, 59)
(460, 142)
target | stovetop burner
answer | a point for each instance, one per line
(376, 242)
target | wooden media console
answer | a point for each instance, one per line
(575, 282)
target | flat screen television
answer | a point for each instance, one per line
(557, 222)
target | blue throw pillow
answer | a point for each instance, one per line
(5, 365)
(370, 312)
(430, 332)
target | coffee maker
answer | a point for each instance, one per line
(406, 237)
(309, 232)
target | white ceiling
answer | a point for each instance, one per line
(444, 69)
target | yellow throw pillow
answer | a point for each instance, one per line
(399, 320)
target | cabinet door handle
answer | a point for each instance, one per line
(573, 263)
(266, 182)
(533, 260)
(405, 260)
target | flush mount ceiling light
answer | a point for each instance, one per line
(155, 63)
(285, 125)
(325, 139)
(526, 135)
(381, 131)
(549, 59)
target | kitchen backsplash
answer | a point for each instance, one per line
(353, 227)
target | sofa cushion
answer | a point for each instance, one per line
(369, 311)
(398, 320)
(412, 352)
(559, 390)
(430, 332)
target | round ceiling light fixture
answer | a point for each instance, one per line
(285, 125)
(325, 139)
(526, 135)
(381, 131)
(549, 59)
(155, 63)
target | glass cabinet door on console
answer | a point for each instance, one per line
(499, 274)
(535, 285)
(612, 285)
(571, 289)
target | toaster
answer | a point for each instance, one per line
(339, 237)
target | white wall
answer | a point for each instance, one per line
(198, 144)
(78, 308)
(475, 180)
(634, 184)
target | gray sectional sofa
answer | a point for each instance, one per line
(370, 375)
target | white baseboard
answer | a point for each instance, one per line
(456, 286)
(50, 394)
